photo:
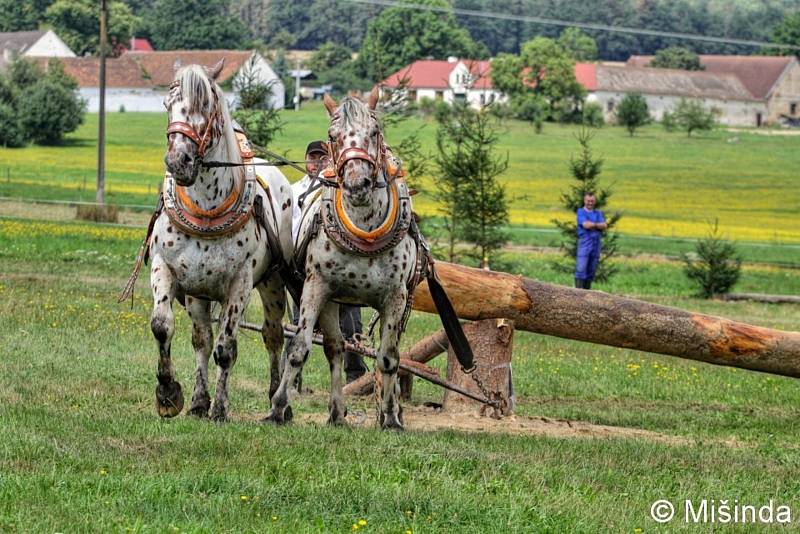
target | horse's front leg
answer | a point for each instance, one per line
(315, 294)
(391, 416)
(169, 396)
(202, 340)
(273, 301)
(333, 344)
(225, 349)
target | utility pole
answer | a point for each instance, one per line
(101, 128)
(297, 86)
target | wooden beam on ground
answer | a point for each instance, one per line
(605, 319)
(760, 297)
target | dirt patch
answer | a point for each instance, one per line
(423, 419)
(62, 212)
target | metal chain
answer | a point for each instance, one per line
(493, 399)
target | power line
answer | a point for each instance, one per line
(572, 24)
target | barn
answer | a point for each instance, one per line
(138, 81)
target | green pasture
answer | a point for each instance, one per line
(81, 448)
(665, 183)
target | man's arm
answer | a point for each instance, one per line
(601, 224)
(583, 220)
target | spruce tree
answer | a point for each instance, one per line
(473, 202)
(585, 169)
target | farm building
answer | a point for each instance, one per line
(774, 81)
(451, 80)
(31, 44)
(664, 88)
(744, 90)
(138, 81)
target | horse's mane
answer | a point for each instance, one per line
(198, 90)
(353, 113)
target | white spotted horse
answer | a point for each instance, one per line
(370, 253)
(218, 233)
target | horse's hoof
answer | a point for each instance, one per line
(274, 418)
(169, 399)
(339, 421)
(200, 407)
(391, 422)
(219, 413)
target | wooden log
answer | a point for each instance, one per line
(492, 345)
(423, 351)
(605, 319)
(760, 297)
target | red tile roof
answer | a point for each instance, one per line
(586, 74)
(140, 45)
(160, 66)
(758, 74)
(120, 72)
(425, 73)
(434, 74)
(677, 82)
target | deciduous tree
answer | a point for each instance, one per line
(187, 24)
(632, 112)
(77, 23)
(690, 116)
(579, 45)
(676, 57)
(400, 36)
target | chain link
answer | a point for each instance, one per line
(493, 399)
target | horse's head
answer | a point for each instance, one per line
(356, 146)
(195, 107)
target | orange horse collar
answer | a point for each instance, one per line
(346, 235)
(226, 218)
(382, 230)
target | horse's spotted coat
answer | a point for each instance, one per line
(224, 269)
(378, 281)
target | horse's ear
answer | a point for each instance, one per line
(177, 65)
(373, 98)
(330, 104)
(215, 71)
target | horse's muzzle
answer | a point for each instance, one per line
(184, 167)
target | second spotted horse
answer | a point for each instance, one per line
(369, 252)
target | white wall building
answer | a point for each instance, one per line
(448, 81)
(138, 81)
(663, 89)
(31, 44)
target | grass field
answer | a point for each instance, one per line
(81, 448)
(665, 184)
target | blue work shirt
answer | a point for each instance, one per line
(593, 236)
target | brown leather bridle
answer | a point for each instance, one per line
(181, 127)
(340, 159)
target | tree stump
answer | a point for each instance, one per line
(492, 344)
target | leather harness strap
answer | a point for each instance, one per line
(229, 216)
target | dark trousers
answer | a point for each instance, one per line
(350, 324)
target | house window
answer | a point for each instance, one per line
(412, 95)
(483, 99)
(610, 106)
(439, 95)
(793, 108)
(759, 119)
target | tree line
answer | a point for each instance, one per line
(389, 37)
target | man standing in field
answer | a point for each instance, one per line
(349, 316)
(591, 225)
